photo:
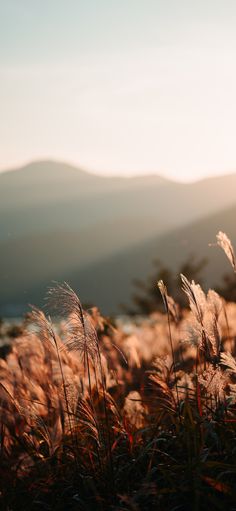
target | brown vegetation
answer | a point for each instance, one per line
(93, 417)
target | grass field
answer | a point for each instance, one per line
(93, 417)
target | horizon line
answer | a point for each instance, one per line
(116, 175)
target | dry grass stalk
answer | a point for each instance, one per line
(224, 242)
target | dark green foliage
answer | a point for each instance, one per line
(227, 289)
(147, 298)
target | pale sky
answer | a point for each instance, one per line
(120, 86)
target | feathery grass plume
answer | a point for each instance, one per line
(214, 381)
(82, 336)
(87, 421)
(42, 325)
(186, 385)
(203, 330)
(64, 300)
(163, 291)
(192, 333)
(164, 294)
(169, 302)
(196, 297)
(212, 334)
(198, 304)
(164, 381)
(131, 345)
(79, 334)
(226, 359)
(58, 449)
(164, 400)
(134, 410)
(47, 334)
(232, 392)
(215, 302)
(162, 375)
(213, 310)
(224, 242)
(162, 365)
(50, 437)
(7, 397)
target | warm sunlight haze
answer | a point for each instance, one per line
(117, 255)
(119, 87)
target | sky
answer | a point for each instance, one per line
(119, 86)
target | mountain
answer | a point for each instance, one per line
(60, 222)
(46, 197)
(48, 182)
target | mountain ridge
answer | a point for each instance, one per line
(54, 227)
(36, 163)
(50, 164)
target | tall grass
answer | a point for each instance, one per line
(94, 418)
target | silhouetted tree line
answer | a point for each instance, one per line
(147, 299)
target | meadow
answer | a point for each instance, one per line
(94, 416)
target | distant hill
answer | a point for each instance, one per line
(46, 197)
(48, 182)
(60, 222)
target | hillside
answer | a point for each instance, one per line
(39, 259)
(48, 183)
(110, 282)
(46, 197)
(60, 222)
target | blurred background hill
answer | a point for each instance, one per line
(59, 222)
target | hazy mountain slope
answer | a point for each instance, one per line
(29, 261)
(46, 196)
(109, 282)
(57, 220)
(75, 215)
(39, 183)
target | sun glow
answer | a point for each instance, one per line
(154, 95)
